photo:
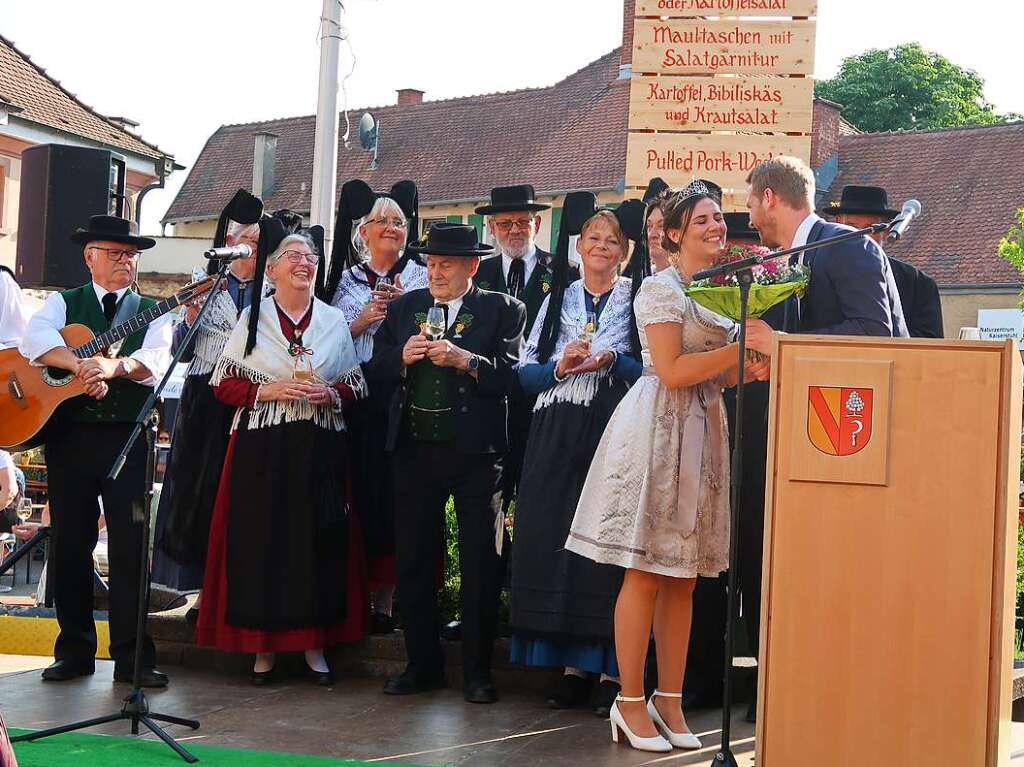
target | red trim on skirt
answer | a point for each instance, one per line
(212, 630)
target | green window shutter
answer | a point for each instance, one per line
(478, 223)
(556, 222)
(454, 219)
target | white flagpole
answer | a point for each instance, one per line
(325, 141)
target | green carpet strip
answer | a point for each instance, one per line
(80, 750)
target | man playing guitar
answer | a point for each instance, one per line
(85, 437)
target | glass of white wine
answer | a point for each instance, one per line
(435, 326)
(303, 368)
(589, 328)
(25, 509)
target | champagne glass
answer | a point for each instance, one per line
(435, 329)
(589, 328)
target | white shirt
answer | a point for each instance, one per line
(803, 232)
(6, 461)
(43, 335)
(529, 262)
(14, 312)
(454, 305)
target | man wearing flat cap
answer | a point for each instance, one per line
(86, 436)
(448, 352)
(861, 206)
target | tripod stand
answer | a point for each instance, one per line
(136, 707)
(745, 278)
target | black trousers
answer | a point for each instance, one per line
(426, 474)
(78, 459)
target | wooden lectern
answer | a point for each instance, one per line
(887, 617)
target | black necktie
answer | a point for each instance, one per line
(516, 277)
(444, 311)
(110, 306)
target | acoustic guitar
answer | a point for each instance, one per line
(29, 395)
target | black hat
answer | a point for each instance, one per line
(112, 229)
(739, 226)
(863, 200)
(655, 187)
(356, 201)
(446, 239)
(511, 199)
(243, 208)
(273, 230)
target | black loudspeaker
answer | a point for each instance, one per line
(61, 187)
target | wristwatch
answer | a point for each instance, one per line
(122, 369)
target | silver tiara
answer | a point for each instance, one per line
(694, 189)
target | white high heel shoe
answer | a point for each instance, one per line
(655, 743)
(677, 739)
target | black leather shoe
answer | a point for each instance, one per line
(63, 670)
(479, 692)
(148, 677)
(262, 678)
(320, 678)
(569, 691)
(381, 624)
(411, 684)
(192, 616)
(452, 632)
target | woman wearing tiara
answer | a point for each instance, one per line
(578, 362)
(369, 270)
(656, 500)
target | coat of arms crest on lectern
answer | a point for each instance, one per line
(839, 419)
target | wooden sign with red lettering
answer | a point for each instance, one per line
(725, 46)
(762, 104)
(726, 7)
(726, 159)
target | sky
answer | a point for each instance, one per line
(181, 69)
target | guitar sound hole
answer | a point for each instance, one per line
(57, 376)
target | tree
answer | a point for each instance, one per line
(908, 88)
(1011, 248)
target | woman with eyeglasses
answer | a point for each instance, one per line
(377, 271)
(285, 568)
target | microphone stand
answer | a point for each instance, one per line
(136, 707)
(745, 278)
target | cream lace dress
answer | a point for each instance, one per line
(656, 497)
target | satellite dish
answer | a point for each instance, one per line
(368, 131)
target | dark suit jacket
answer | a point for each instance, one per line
(491, 276)
(919, 295)
(852, 291)
(494, 334)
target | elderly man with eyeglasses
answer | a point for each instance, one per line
(84, 439)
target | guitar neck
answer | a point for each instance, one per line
(125, 329)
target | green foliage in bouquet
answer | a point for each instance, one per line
(774, 282)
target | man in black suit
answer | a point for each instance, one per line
(861, 206)
(447, 429)
(851, 292)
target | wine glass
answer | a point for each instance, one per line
(436, 325)
(303, 368)
(25, 509)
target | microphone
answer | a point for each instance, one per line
(911, 210)
(230, 254)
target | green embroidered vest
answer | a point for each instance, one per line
(431, 403)
(125, 398)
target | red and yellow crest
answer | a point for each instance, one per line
(839, 419)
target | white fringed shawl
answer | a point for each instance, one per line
(213, 334)
(613, 334)
(333, 359)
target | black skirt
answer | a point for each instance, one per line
(373, 484)
(557, 594)
(287, 527)
(198, 445)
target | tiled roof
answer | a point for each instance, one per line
(43, 100)
(571, 135)
(969, 182)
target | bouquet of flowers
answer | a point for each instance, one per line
(774, 282)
